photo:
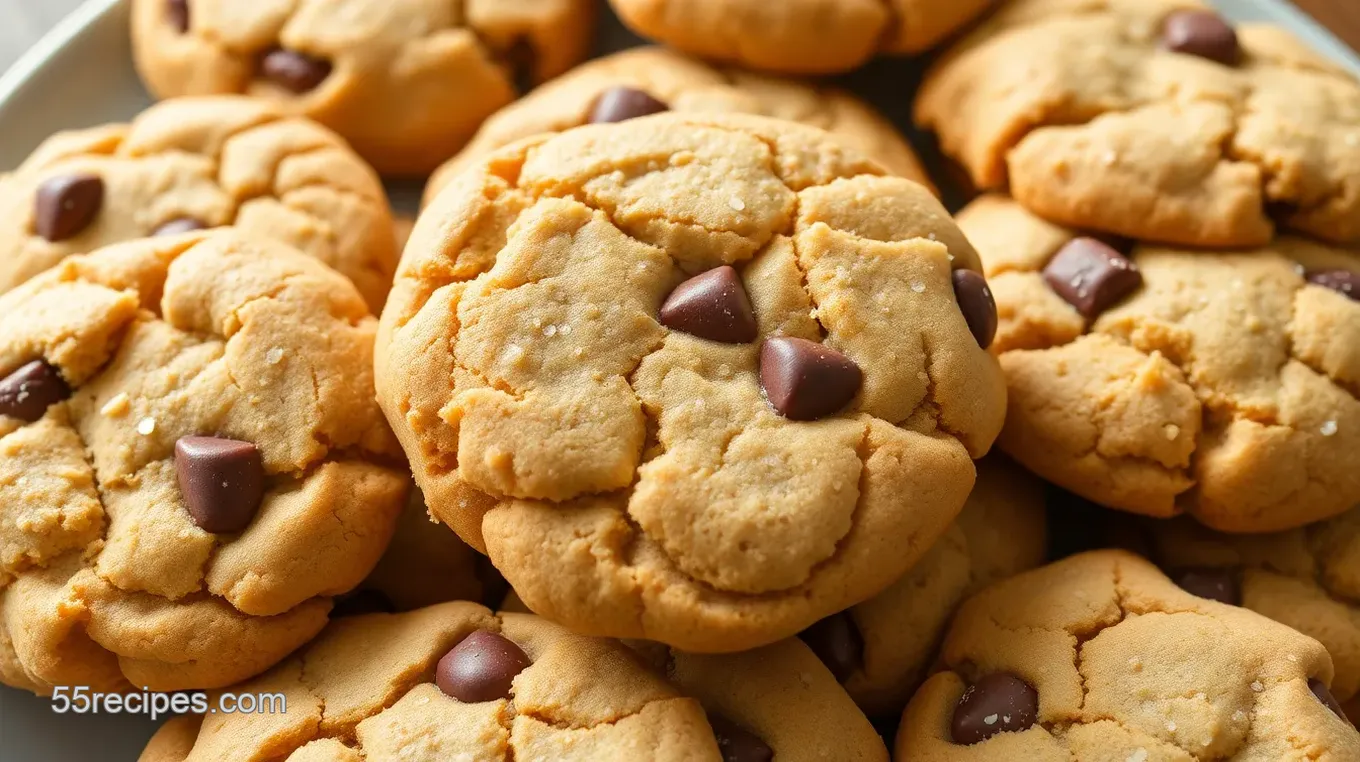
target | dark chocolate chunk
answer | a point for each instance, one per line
(480, 668)
(1215, 584)
(1091, 276)
(1341, 281)
(837, 642)
(28, 392)
(998, 703)
(67, 204)
(805, 380)
(712, 306)
(297, 72)
(222, 481)
(619, 104)
(737, 744)
(978, 305)
(1201, 33)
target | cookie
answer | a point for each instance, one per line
(1153, 119)
(1100, 657)
(798, 36)
(645, 81)
(191, 463)
(406, 82)
(456, 681)
(882, 649)
(199, 163)
(1308, 579)
(695, 379)
(1161, 380)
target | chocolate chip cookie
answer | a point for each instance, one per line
(696, 379)
(406, 82)
(1100, 657)
(456, 681)
(881, 649)
(1162, 380)
(798, 36)
(199, 163)
(646, 81)
(1153, 119)
(191, 462)
(1305, 578)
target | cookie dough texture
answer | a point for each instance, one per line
(1076, 106)
(798, 36)
(1000, 533)
(1127, 666)
(686, 85)
(365, 690)
(634, 482)
(1308, 579)
(1224, 388)
(219, 161)
(409, 80)
(105, 580)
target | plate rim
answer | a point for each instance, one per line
(22, 71)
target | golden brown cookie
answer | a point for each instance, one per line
(798, 36)
(881, 649)
(198, 163)
(406, 82)
(549, 375)
(455, 681)
(646, 81)
(191, 462)
(1153, 119)
(1101, 658)
(1308, 579)
(1165, 381)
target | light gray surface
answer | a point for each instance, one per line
(22, 22)
(81, 75)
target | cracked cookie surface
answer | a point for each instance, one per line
(1117, 663)
(1224, 386)
(892, 638)
(406, 82)
(371, 687)
(798, 36)
(1308, 579)
(1083, 109)
(686, 85)
(634, 481)
(204, 162)
(107, 576)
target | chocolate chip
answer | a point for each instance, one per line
(481, 668)
(67, 204)
(222, 481)
(362, 602)
(805, 380)
(737, 744)
(712, 306)
(1091, 276)
(978, 305)
(1215, 584)
(1341, 281)
(619, 104)
(1325, 696)
(837, 642)
(179, 225)
(294, 71)
(1201, 33)
(177, 11)
(28, 392)
(998, 703)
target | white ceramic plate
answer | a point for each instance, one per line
(81, 75)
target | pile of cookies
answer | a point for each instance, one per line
(686, 358)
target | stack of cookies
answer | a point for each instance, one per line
(685, 422)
